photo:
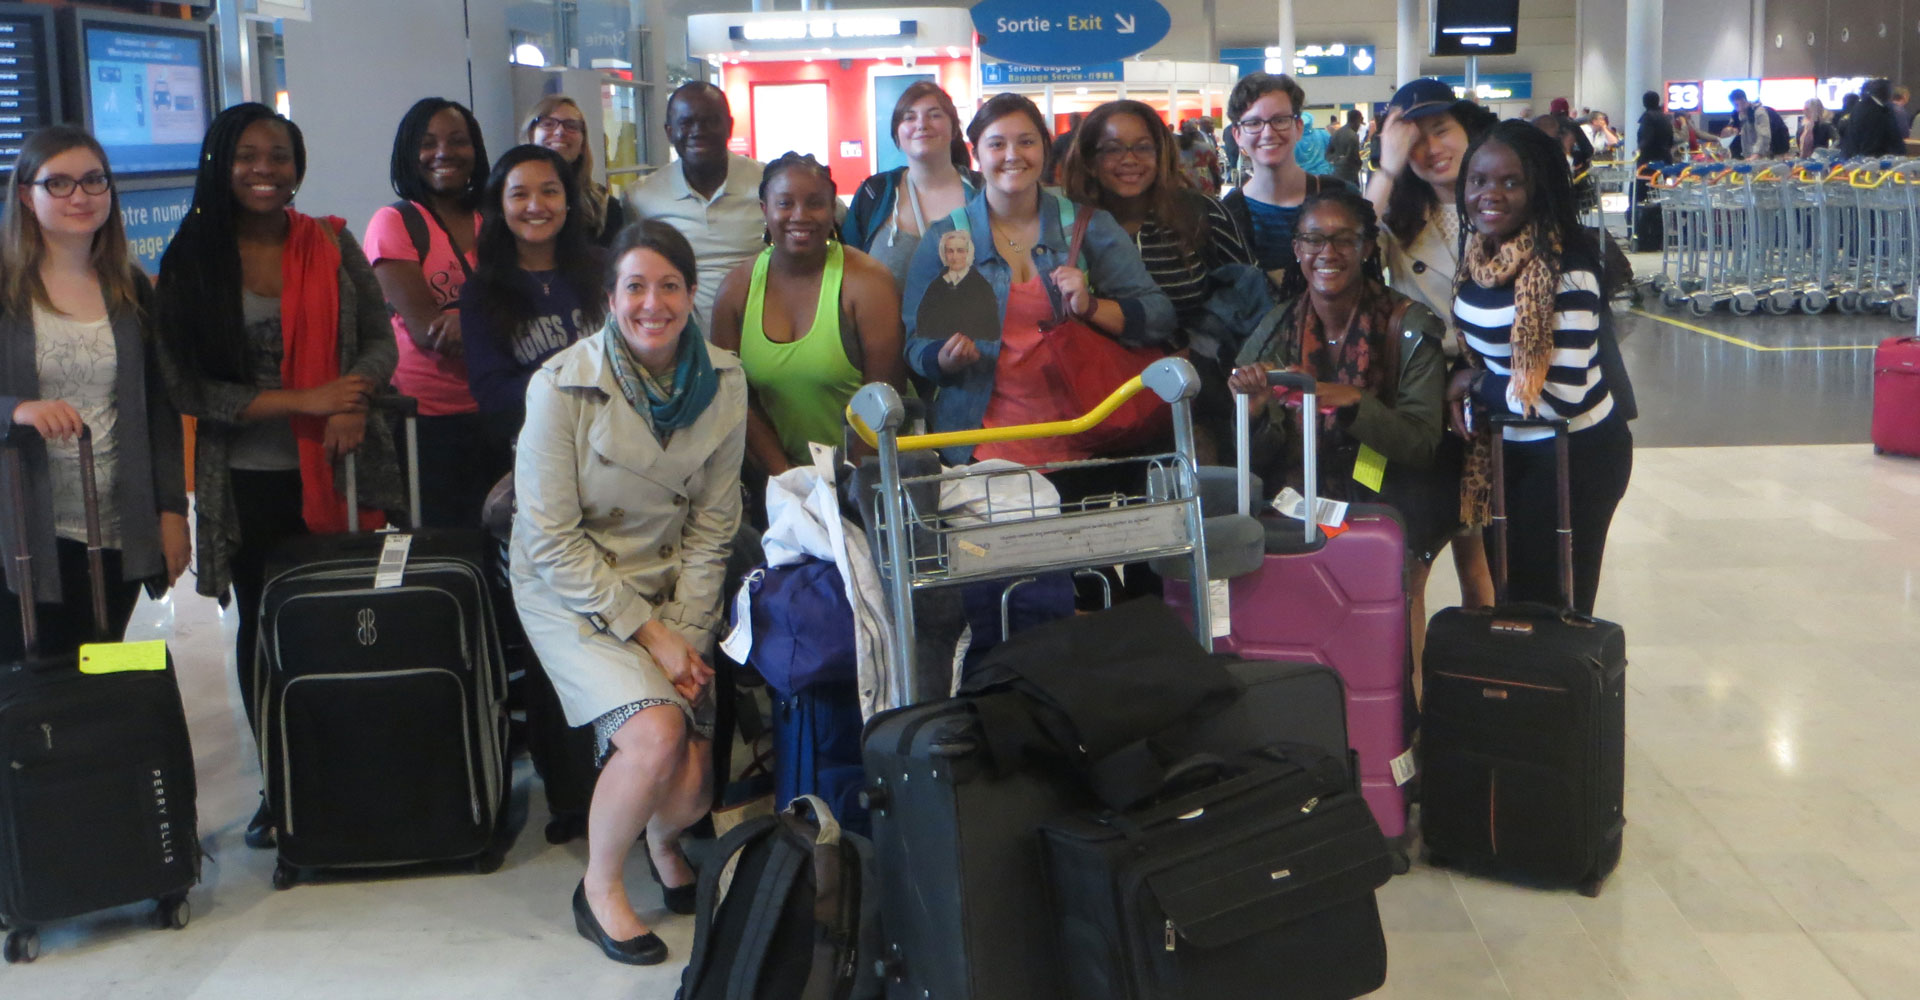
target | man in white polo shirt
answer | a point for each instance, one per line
(710, 195)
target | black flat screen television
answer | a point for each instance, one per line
(1475, 27)
(29, 76)
(144, 86)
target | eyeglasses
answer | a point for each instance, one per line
(571, 126)
(1116, 152)
(1313, 243)
(1279, 123)
(61, 186)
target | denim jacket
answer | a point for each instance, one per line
(1113, 269)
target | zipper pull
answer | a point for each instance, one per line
(46, 729)
(1310, 805)
(1169, 935)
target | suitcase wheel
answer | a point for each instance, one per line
(489, 862)
(22, 946)
(284, 876)
(564, 829)
(1401, 863)
(173, 913)
(1591, 887)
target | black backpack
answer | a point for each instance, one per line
(1781, 139)
(799, 918)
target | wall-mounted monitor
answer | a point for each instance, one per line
(1474, 28)
(1789, 95)
(29, 76)
(1714, 99)
(144, 86)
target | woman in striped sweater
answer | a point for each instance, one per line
(1531, 316)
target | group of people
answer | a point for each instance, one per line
(1876, 121)
(629, 359)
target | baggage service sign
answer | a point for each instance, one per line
(1068, 32)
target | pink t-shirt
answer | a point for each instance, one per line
(438, 382)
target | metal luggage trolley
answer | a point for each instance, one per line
(1705, 221)
(917, 549)
(1885, 233)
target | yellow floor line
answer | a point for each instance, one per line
(1748, 344)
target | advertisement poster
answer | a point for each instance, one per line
(148, 98)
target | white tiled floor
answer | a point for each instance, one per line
(1772, 602)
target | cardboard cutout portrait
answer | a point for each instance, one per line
(959, 300)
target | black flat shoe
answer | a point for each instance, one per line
(647, 949)
(260, 828)
(683, 899)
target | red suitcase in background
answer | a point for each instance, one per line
(1339, 601)
(1896, 396)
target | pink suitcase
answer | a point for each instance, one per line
(1339, 601)
(1896, 396)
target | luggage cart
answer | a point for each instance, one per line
(1706, 222)
(917, 548)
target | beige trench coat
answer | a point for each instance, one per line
(613, 530)
(1423, 271)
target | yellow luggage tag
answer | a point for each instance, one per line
(1370, 468)
(121, 657)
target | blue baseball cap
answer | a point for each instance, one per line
(1423, 97)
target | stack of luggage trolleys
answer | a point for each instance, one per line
(1249, 873)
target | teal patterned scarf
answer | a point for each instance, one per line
(681, 401)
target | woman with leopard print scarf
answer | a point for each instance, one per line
(1532, 318)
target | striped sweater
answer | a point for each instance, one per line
(1575, 389)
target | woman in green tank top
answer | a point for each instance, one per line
(812, 320)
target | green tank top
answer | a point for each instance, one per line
(802, 386)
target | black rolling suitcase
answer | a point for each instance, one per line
(383, 725)
(97, 790)
(1524, 726)
(1259, 885)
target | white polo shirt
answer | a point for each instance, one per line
(725, 230)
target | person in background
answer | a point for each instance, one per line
(1530, 311)
(1871, 129)
(1599, 132)
(1199, 161)
(534, 289)
(1586, 190)
(1653, 139)
(1562, 111)
(628, 487)
(1687, 143)
(1751, 129)
(892, 210)
(1021, 249)
(422, 253)
(558, 124)
(1816, 128)
(76, 351)
(812, 320)
(1265, 111)
(1343, 150)
(711, 195)
(274, 334)
(1057, 153)
(1311, 150)
(1423, 144)
(1902, 114)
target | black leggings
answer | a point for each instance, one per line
(269, 507)
(65, 626)
(1600, 461)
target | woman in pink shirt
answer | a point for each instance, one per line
(422, 252)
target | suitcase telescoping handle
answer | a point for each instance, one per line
(1563, 529)
(409, 410)
(1309, 446)
(14, 436)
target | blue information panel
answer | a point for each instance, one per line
(152, 217)
(1013, 74)
(148, 97)
(1495, 86)
(1057, 33)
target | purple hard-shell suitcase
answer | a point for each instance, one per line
(1339, 601)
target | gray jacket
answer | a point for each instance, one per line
(366, 348)
(151, 478)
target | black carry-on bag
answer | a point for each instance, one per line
(1525, 723)
(383, 723)
(97, 789)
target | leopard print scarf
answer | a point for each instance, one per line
(1518, 262)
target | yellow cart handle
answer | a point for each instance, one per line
(1015, 432)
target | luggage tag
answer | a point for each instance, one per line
(1329, 514)
(1370, 468)
(393, 562)
(739, 641)
(123, 657)
(1219, 609)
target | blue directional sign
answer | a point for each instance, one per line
(1012, 74)
(1069, 32)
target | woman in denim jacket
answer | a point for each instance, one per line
(1020, 237)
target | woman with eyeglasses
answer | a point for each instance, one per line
(558, 124)
(891, 211)
(275, 337)
(75, 350)
(1266, 112)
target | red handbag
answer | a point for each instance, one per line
(1087, 365)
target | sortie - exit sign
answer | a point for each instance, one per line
(1069, 32)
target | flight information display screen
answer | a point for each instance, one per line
(27, 78)
(147, 96)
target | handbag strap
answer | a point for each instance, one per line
(1077, 236)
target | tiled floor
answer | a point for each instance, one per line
(1771, 596)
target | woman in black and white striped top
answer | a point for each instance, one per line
(1531, 316)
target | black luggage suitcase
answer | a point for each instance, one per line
(959, 849)
(97, 796)
(1259, 885)
(1524, 726)
(383, 728)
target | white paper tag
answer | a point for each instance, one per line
(739, 641)
(1403, 768)
(1328, 513)
(1219, 609)
(393, 562)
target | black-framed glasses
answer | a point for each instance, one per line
(1279, 123)
(571, 126)
(1313, 243)
(61, 186)
(1116, 152)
